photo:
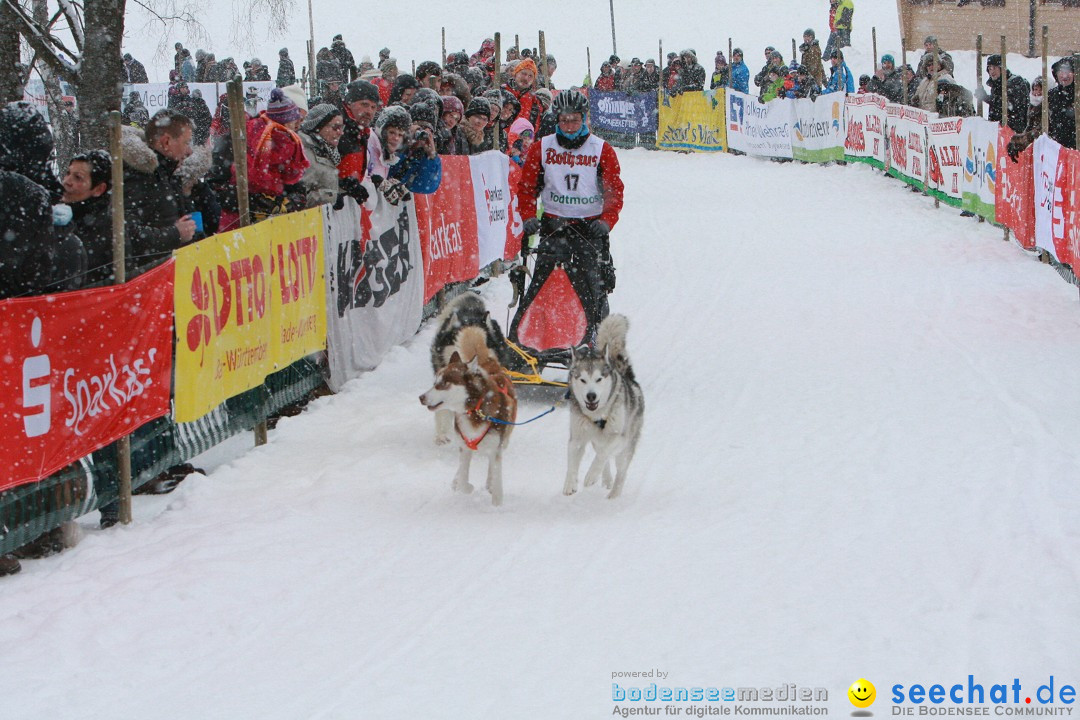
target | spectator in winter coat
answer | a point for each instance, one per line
(86, 191)
(286, 72)
(805, 85)
(178, 58)
(887, 80)
(187, 67)
(201, 63)
(907, 76)
(953, 99)
(457, 63)
(740, 74)
(649, 79)
(926, 62)
(1035, 107)
(35, 257)
(552, 66)
(405, 86)
(344, 59)
(275, 158)
(327, 68)
(259, 72)
(454, 141)
(841, 79)
(692, 77)
(1018, 92)
(721, 72)
(521, 88)
(156, 212)
(408, 160)
(864, 84)
(606, 81)
(429, 74)
(320, 133)
(481, 57)
(670, 69)
(549, 120)
(774, 84)
(454, 84)
(1059, 103)
(134, 70)
(135, 113)
(199, 112)
(519, 139)
(841, 13)
(474, 128)
(385, 82)
(773, 59)
(631, 79)
(810, 56)
(358, 144)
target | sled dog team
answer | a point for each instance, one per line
(475, 405)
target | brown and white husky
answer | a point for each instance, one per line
(474, 388)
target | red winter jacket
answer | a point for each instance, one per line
(531, 184)
(275, 157)
(531, 109)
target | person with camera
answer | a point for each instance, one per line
(576, 174)
(407, 161)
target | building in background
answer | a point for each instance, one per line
(957, 23)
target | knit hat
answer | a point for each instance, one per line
(281, 109)
(810, 32)
(545, 97)
(720, 58)
(495, 97)
(423, 113)
(993, 61)
(889, 59)
(478, 106)
(318, 117)
(297, 95)
(451, 103)
(359, 90)
(526, 64)
(394, 116)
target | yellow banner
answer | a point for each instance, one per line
(247, 303)
(223, 324)
(299, 285)
(693, 121)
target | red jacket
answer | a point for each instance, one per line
(531, 183)
(605, 83)
(275, 157)
(385, 86)
(531, 109)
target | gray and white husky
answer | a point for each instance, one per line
(607, 408)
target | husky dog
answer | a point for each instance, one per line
(480, 399)
(607, 408)
(466, 310)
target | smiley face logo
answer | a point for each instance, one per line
(862, 693)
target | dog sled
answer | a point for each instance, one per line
(560, 291)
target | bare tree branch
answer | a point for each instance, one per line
(75, 23)
(47, 47)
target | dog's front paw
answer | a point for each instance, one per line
(591, 478)
(465, 487)
(570, 487)
(442, 439)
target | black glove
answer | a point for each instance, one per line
(598, 230)
(531, 227)
(352, 187)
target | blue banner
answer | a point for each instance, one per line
(619, 112)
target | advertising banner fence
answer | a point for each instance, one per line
(693, 121)
(155, 96)
(621, 112)
(818, 128)
(865, 135)
(375, 285)
(1014, 194)
(762, 129)
(85, 368)
(978, 188)
(1057, 220)
(906, 129)
(945, 163)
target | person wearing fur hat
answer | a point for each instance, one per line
(405, 85)
(275, 158)
(452, 140)
(522, 88)
(454, 84)
(408, 161)
(321, 133)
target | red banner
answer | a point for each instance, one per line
(1014, 201)
(81, 370)
(448, 232)
(514, 222)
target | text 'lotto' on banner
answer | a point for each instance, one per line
(298, 295)
(223, 325)
(760, 129)
(86, 368)
(693, 121)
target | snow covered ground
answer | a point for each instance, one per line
(859, 461)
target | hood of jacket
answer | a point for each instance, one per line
(142, 158)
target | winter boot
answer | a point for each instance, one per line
(9, 565)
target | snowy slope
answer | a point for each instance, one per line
(859, 461)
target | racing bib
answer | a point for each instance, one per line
(571, 178)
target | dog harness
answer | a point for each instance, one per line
(502, 385)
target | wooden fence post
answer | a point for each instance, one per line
(123, 445)
(978, 68)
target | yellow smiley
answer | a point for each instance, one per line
(862, 693)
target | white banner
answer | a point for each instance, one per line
(155, 96)
(1048, 196)
(491, 192)
(818, 128)
(906, 128)
(980, 167)
(945, 161)
(762, 129)
(865, 132)
(375, 285)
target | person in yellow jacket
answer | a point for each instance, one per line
(840, 15)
